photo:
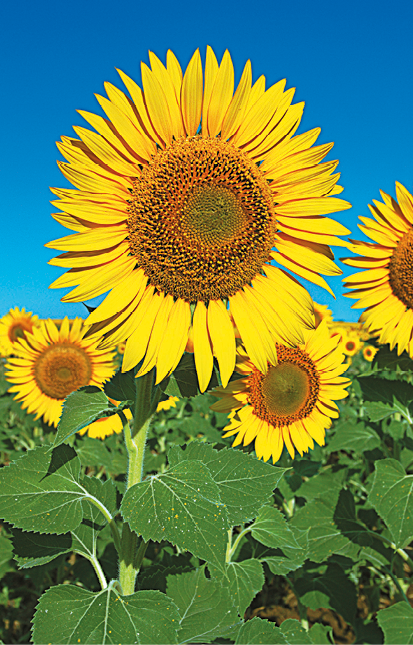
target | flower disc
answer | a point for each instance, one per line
(202, 220)
(385, 288)
(185, 195)
(292, 403)
(62, 369)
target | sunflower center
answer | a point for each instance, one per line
(201, 220)
(401, 270)
(62, 369)
(288, 391)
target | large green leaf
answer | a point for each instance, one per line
(82, 408)
(121, 386)
(182, 505)
(271, 529)
(244, 580)
(397, 624)
(324, 538)
(206, 607)
(6, 555)
(244, 482)
(184, 380)
(392, 497)
(332, 589)
(69, 614)
(34, 549)
(263, 632)
(384, 397)
(388, 359)
(316, 486)
(346, 520)
(354, 438)
(41, 491)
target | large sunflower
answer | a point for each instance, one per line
(385, 288)
(292, 403)
(52, 363)
(185, 194)
(14, 325)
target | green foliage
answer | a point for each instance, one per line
(104, 617)
(221, 533)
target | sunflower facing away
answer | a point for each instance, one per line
(292, 403)
(14, 325)
(53, 363)
(322, 312)
(385, 288)
(185, 194)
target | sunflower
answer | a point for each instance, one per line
(351, 343)
(385, 288)
(369, 352)
(185, 194)
(53, 363)
(14, 325)
(292, 403)
(322, 312)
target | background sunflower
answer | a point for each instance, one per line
(52, 363)
(14, 325)
(385, 287)
(293, 403)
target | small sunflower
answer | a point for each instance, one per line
(53, 363)
(351, 343)
(369, 352)
(14, 325)
(184, 195)
(322, 312)
(385, 288)
(168, 404)
(292, 403)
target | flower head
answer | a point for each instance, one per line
(292, 403)
(322, 312)
(385, 287)
(14, 325)
(186, 193)
(52, 363)
(369, 352)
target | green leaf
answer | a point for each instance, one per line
(6, 555)
(271, 529)
(41, 491)
(183, 506)
(387, 396)
(324, 538)
(332, 589)
(325, 480)
(34, 549)
(346, 520)
(354, 438)
(388, 359)
(184, 380)
(82, 408)
(392, 497)
(69, 614)
(295, 633)
(244, 482)
(121, 386)
(244, 580)
(260, 631)
(397, 623)
(206, 607)
(321, 634)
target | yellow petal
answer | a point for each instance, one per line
(191, 97)
(221, 95)
(238, 105)
(222, 337)
(174, 341)
(202, 347)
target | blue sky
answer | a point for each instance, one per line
(350, 62)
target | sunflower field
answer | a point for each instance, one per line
(209, 457)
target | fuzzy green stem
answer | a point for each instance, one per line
(98, 569)
(401, 552)
(136, 451)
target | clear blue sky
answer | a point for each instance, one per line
(351, 62)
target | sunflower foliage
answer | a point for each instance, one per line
(223, 531)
